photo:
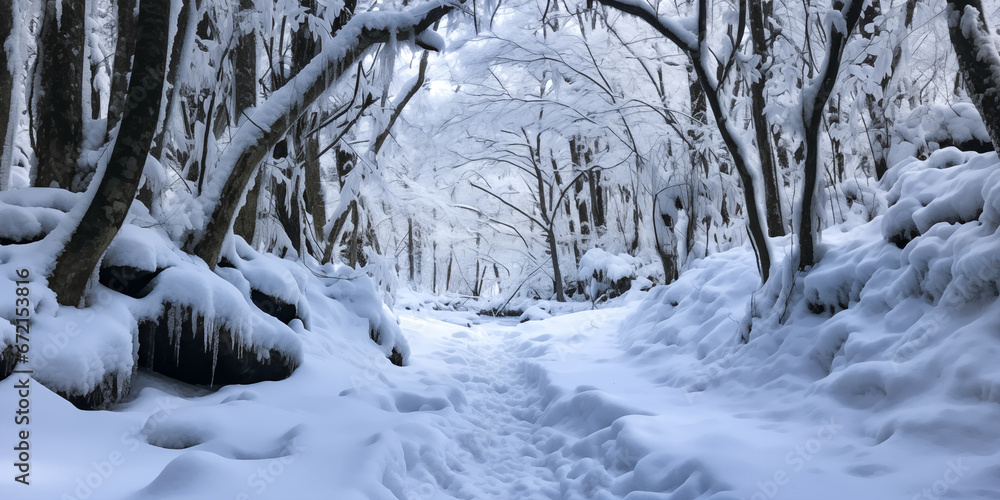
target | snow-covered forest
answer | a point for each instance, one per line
(500, 249)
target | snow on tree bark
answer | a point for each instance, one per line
(120, 180)
(978, 61)
(814, 98)
(59, 99)
(245, 98)
(768, 166)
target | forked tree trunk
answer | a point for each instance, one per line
(59, 101)
(978, 61)
(812, 119)
(107, 211)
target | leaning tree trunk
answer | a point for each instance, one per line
(978, 61)
(59, 105)
(107, 211)
(124, 48)
(6, 92)
(812, 119)
(236, 166)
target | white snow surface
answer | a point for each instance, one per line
(890, 390)
(612, 267)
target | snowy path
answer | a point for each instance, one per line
(534, 423)
(496, 432)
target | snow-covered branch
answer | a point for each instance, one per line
(228, 180)
(671, 29)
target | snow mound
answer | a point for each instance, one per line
(924, 193)
(536, 312)
(954, 124)
(357, 292)
(937, 126)
(155, 307)
(605, 266)
(27, 215)
(601, 272)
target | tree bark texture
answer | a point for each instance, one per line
(6, 94)
(59, 100)
(120, 181)
(762, 128)
(124, 47)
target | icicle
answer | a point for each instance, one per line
(175, 324)
(387, 63)
(215, 357)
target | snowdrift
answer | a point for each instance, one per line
(154, 306)
(894, 331)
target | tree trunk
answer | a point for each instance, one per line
(59, 102)
(756, 226)
(409, 246)
(697, 55)
(978, 61)
(557, 283)
(124, 48)
(286, 208)
(812, 119)
(245, 98)
(303, 164)
(447, 274)
(245, 224)
(184, 31)
(762, 128)
(244, 67)
(434, 267)
(120, 181)
(6, 93)
(596, 201)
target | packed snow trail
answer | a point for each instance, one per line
(494, 433)
(519, 436)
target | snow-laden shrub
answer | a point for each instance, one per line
(604, 274)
